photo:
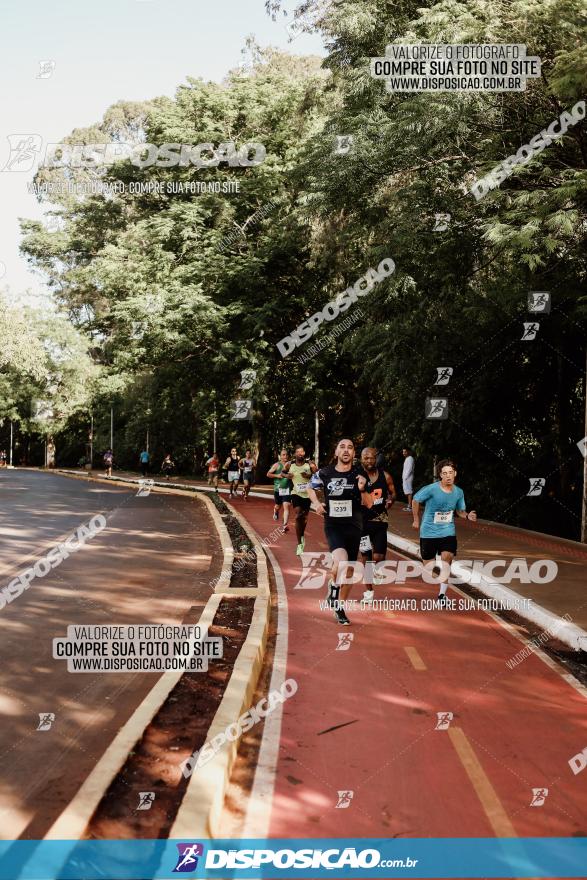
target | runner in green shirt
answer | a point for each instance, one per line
(300, 471)
(281, 489)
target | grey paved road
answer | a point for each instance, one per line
(151, 564)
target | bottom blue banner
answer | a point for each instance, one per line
(345, 857)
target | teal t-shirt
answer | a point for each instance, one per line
(439, 516)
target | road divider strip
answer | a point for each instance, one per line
(200, 810)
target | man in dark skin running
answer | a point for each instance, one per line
(375, 522)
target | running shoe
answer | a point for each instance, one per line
(441, 599)
(368, 596)
(333, 593)
(407, 509)
(300, 547)
(341, 618)
(275, 516)
(286, 528)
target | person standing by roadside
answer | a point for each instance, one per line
(408, 476)
(144, 459)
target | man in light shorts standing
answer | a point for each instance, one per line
(408, 476)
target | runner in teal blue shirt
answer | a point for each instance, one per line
(438, 535)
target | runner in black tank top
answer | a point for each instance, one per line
(375, 519)
(247, 465)
(233, 472)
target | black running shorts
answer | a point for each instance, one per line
(344, 538)
(429, 547)
(377, 533)
(298, 501)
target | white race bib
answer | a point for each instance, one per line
(377, 501)
(365, 544)
(443, 516)
(301, 487)
(341, 508)
(232, 476)
(285, 491)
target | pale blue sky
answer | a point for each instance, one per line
(103, 52)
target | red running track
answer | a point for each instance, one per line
(364, 719)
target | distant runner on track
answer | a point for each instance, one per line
(344, 486)
(300, 472)
(375, 520)
(233, 472)
(213, 464)
(281, 489)
(437, 533)
(247, 465)
(108, 461)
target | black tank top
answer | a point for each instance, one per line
(378, 489)
(233, 464)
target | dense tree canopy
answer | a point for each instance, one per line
(177, 292)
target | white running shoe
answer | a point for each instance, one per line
(368, 596)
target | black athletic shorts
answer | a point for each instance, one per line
(279, 499)
(429, 547)
(298, 501)
(344, 538)
(377, 532)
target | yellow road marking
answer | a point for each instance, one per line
(484, 790)
(415, 659)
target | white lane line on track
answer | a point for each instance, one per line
(258, 816)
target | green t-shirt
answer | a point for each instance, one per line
(282, 483)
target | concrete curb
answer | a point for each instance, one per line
(200, 810)
(562, 629)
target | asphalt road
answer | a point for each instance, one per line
(152, 563)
